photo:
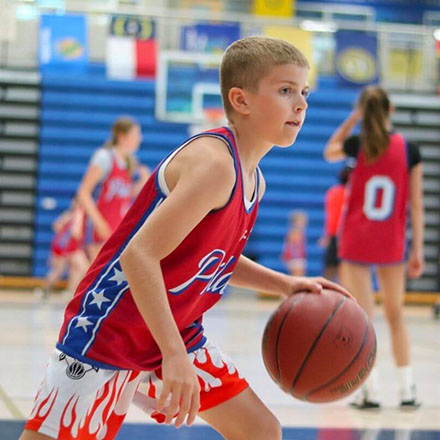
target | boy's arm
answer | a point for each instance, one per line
(416, 257)
(334, 149)
(251, 275)
(201, 178)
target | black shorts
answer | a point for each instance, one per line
(331, 253)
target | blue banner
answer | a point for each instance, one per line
(356, 58)
(401, 11)
(209, 37)
(63, 42)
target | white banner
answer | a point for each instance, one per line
(7, 21)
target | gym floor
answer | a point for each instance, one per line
(29, 329)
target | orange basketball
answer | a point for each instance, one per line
(319, 347)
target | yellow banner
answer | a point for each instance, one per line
(405, 63)
(205, 5)
(300, 39)
(274, 8)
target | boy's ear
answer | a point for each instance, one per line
(239, 100)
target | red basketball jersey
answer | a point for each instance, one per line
(102, 325)
(374, 222)
(115, 197)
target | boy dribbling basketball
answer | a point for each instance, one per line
(133, 331)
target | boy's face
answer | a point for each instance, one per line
(278, 107)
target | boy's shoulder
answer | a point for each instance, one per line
(206, 165)
(209, 152)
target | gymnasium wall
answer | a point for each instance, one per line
(77, 113)
(52, 124)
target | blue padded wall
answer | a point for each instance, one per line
(77, 114)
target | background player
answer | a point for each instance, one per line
(294, 249)
(387, 175)
(111, 174)
(138, 312)
(334, 201)
(66, 250)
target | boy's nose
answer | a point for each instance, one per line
(301, 106)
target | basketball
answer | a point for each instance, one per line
(319, 347)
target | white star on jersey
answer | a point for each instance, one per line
(98, 299)
(119, 276)
(83, 322)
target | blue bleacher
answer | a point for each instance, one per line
(78, 111)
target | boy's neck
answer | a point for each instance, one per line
(250, 147)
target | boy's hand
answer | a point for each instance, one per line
(415, 263)
(314, 285)
(181, 383)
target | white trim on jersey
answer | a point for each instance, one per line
(163, 184)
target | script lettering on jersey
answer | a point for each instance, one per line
(117, 187)
(213, 271)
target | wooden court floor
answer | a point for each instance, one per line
(28, 331)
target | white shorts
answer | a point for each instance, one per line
(77, 401)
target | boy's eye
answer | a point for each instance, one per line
(286, 90)
(305, 93)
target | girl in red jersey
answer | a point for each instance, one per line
(112, 169)
(386, 180)
(66, 250)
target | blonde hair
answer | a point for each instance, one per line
(375, 107)
(296, 216)
(123, 126)
(247, 60)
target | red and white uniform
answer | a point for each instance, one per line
(106, 358)
(294, 246)
(115, 196)
(102, 325)
(374, 221)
